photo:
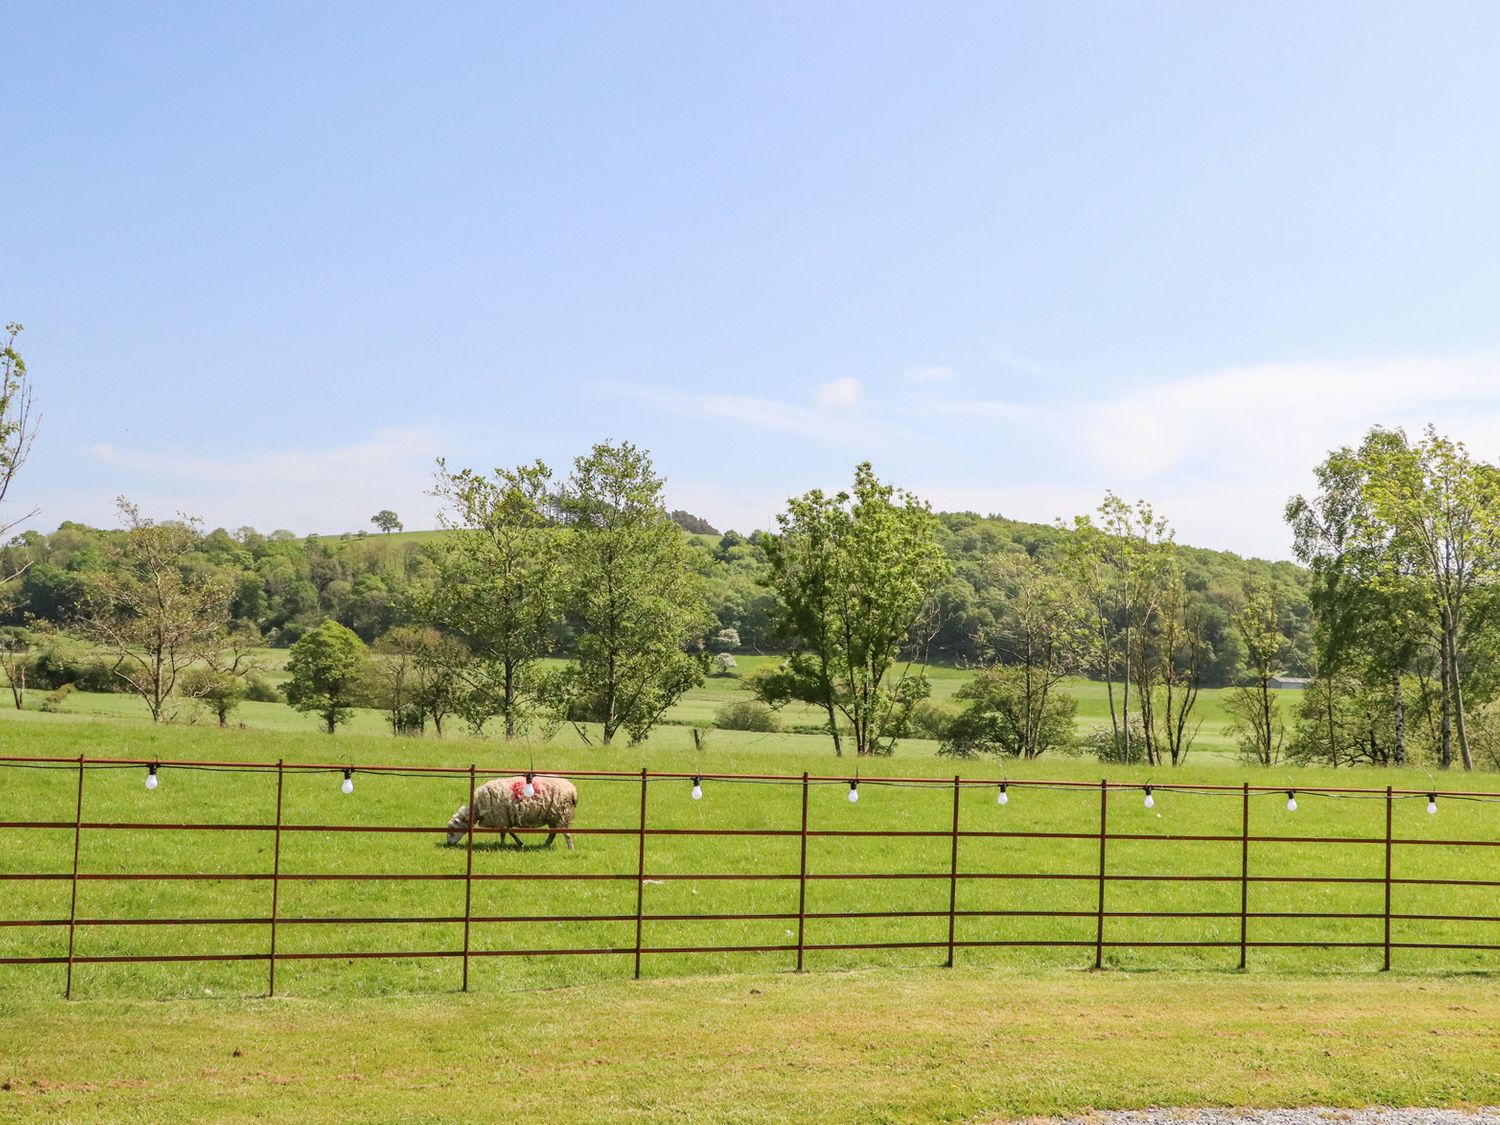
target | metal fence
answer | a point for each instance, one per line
(1102, 836)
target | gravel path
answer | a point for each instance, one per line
(1313, 1115)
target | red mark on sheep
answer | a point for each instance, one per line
(518, 789)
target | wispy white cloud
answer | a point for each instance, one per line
(1222, 452)
(332, 489)
(938, 374)
(841, 394)
(824, 421)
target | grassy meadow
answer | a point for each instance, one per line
(697, 708)
(882, 1035)
(199, 796)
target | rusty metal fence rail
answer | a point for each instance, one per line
(642, 830)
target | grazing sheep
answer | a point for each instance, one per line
(503, 804)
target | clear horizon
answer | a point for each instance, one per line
(272, 262)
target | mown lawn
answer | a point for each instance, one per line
(923, 1045)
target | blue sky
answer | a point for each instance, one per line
(274, 259)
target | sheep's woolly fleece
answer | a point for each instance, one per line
(503, 804)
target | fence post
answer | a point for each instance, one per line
(1103, 835)
(640, 878)
(73, 903)
(469, 875)
(1385, 967)
(802, 879)
(276, 873)
(953, 876)
(1244, 872)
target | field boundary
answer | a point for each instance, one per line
(643, 830)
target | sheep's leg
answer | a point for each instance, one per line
(550, 837)
(568, 836)
(519, 842)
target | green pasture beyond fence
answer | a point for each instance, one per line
(271, 869)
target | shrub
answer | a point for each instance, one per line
(53, 702)
(1107, 746)
(1005, 718)
(258, 689)
(747, 715)
(931, 720)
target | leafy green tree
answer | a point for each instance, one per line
(1252, 704)
(855, 573)
(1123, 561)
(17, 422)
(327, 667)
(1404, 539)
(418, 676)
(154, 607)
(386, 520)
(1041, 636)
(222, 681)
(630, 592)
(497, 582)
(1008, 716)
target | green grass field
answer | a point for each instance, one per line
(883, 1046)
(198, 796)
(885, 1035)
(698, 707)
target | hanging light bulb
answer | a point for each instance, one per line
(854, 792)
(1002, 798)
(697, 789)
(528, 790)
(1150, 800)
(151, 781)
(1291, 800)
(348, 786)
(1432, 804)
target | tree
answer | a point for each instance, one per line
(496, 582)
(418, 674)
(222, 681)
(1171, 669)
(1041, 635)
(17, 421)
(1007, 715)
(327, 666)
(855, 573)
(1256, 713)
(386, 520)
(630, 592)
(153, 605)
(1404, 541)
(1443, 508)
(15, 662)
(1123, 562)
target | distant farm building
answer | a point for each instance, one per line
(1290, 683)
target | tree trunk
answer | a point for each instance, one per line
(510, 698)
(1398, 707)
(1333, 743)
(1456, 680)
(1445, 741)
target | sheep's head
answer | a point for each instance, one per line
(459, 825)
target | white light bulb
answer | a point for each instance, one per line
(348, 786)
(853, 795)
(697, 791)
(151, 780)
(1150, 800)
(1432, 806)
(1291, 804)
(1004, 798)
